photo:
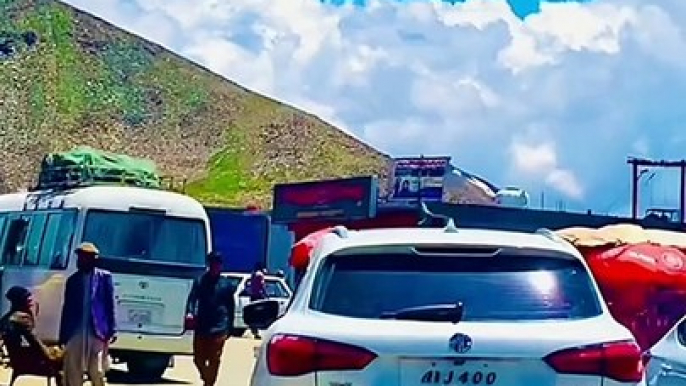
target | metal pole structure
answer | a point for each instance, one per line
(419, 179)
(682, 195)
(636, 176)
(634, 189)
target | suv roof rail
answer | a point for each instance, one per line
(340, 231)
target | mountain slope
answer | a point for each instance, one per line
(68, 78)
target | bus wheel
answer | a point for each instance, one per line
(149, 366)
(238, 332)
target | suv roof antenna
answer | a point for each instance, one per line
(450, 227)
(430, 219)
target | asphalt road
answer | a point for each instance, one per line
(237, 363)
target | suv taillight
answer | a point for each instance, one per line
(621, 361)
(189, 323)
(294, 355)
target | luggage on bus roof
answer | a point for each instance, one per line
(84, 166)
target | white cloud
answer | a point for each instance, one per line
(534, 159)
(565, 182)
(470, 80)
(641, 147)
(574, 26)
(538, 162)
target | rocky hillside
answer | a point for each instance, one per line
(68, 78)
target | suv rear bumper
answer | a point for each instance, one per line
(163, 344)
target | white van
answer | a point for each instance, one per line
(153, 241)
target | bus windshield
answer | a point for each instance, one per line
(147, 236)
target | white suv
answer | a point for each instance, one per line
(446, 306)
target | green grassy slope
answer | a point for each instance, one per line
(68, 78)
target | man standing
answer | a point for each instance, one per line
(211, 306)
(257, 290)
(88, 325)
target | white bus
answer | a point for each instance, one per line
(153, 241)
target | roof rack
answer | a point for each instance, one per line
(174, 184)
(80, 176)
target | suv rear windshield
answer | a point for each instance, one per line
(490, 288)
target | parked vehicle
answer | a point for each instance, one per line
(445, 306)
(666, 360)
(153, 241)
(276, 287)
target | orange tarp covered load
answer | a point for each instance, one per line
(641, 273)
(622, 234)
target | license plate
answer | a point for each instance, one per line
(448, 372)
(140, 316)
(458, 377)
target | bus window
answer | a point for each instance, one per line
(15, 242)
(147, 236)
(58, 236)
(3, 221)
(3, 227)
(35, 238)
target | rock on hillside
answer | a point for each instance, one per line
(68, 78)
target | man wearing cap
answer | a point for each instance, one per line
(25, 349)
(88, 325)
(211, 306)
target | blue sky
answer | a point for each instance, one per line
(549, 96)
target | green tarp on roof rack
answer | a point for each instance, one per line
(84, 166)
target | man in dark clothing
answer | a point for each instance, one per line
(257, 290)
(28, 354)
(211, 306)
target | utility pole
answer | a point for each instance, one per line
(420, 172)
(636, 173)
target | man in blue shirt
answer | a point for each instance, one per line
(211, 306)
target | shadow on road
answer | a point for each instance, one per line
(118, 376)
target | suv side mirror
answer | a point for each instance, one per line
(261, 314)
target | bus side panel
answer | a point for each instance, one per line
(46, 285)
(242, 238)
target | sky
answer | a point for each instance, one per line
(550, 96)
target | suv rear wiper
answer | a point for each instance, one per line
(431, 313)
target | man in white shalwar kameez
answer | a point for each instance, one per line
(87, 320)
